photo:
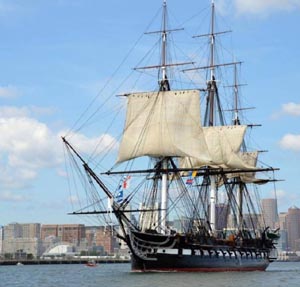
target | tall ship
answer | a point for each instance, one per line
(181, 187)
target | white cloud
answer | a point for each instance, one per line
(94, 145)
(258, 6)
(10, 196)
(28, 143)
(290, 142)
(291, 109)
(266, 6)
(9, 92)
(27, 146)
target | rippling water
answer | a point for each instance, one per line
(279, 274)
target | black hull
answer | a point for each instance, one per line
(158, 253)
(194, 263)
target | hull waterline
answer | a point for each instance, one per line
(187, 263)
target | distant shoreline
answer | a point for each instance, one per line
(60, 261)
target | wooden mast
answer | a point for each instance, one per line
(164, 86)
(211, 120)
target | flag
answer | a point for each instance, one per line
(126, 180)
(124, 184)
(119, 195)
(189, 181)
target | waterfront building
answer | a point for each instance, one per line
(105, 237)
(22, 239)
(102, 238)
(49, 230)
(72, 233)
(23, 247)
(59, 250)
(90, 236)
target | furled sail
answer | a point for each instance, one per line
(224, 143)
(162, 124)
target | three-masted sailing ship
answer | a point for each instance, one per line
(191, 208)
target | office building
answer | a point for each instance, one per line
(270, 212)
(22, 239)
(293, 228)
(72, 233)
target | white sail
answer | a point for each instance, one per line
(250, 158)
(224, 143)
(164, 123)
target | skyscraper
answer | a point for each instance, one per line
(222, 212)
(293, 228)
(283, 240)
(270, 212)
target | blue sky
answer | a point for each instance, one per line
(55, 57)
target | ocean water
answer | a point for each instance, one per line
(279, 274)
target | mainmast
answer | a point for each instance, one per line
(236, 121)
(213, 105)
(211, 82)
(164, 86)
(164, 82)
(211, 98)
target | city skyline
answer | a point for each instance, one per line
(37, 238)
(56, 57)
